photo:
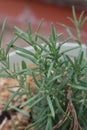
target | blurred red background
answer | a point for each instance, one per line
(20, 12)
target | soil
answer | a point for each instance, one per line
(10, 120)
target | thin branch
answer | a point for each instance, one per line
(69, 110)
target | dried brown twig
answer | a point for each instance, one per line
(69, 110)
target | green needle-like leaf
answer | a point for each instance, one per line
(51, 106)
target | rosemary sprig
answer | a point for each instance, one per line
(58, 97)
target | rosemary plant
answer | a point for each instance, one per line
(58, 98)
